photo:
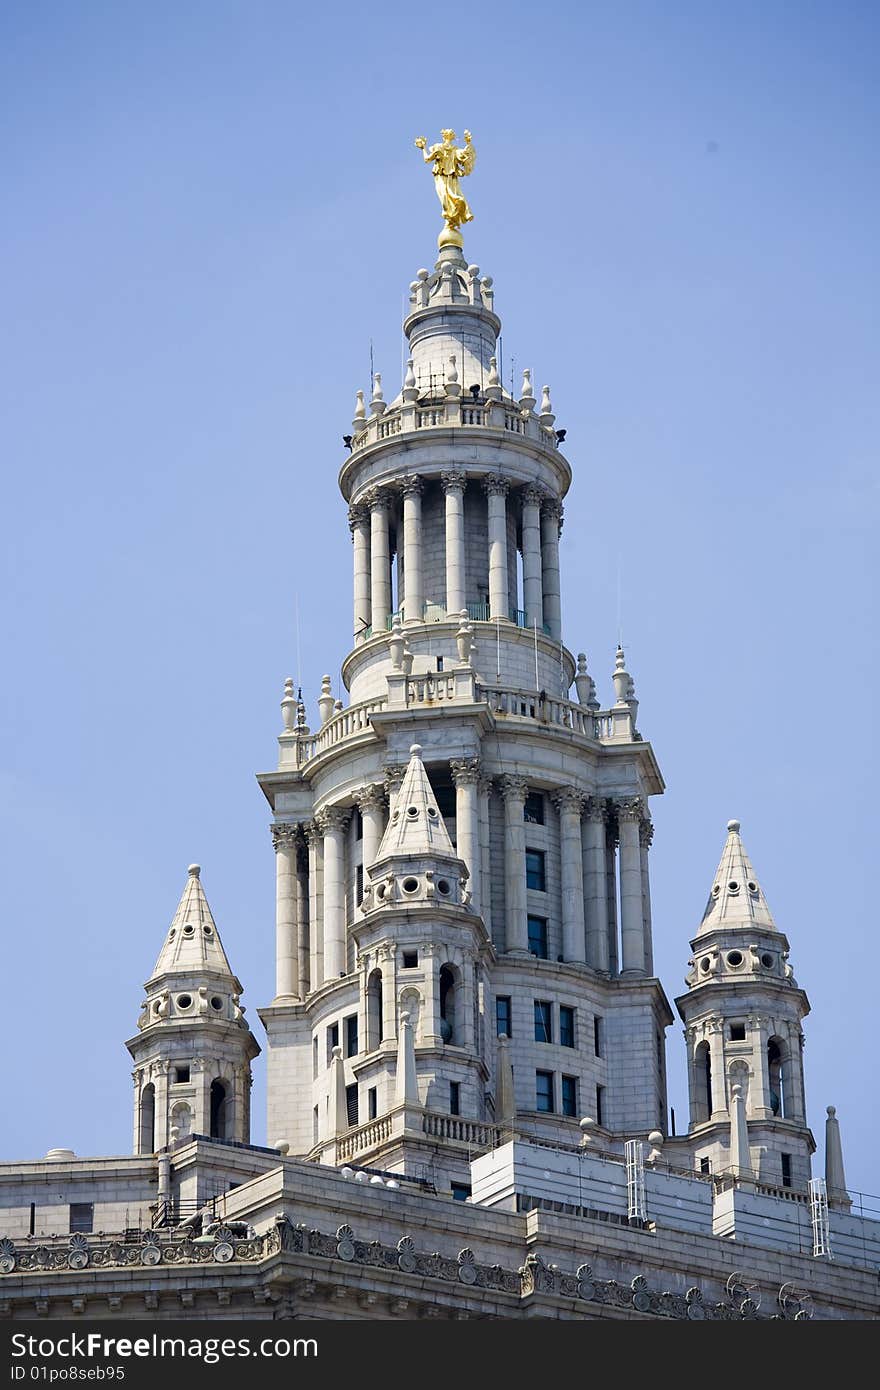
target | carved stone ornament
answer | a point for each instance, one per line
(465, 771)
(285, 836)
(496, 486)
(568, 799)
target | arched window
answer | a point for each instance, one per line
(220, 1108)
(147, 1126)
(777, 1071)
(450, 1027)
(181, 1121)
(374, 1010)
(702, 1083)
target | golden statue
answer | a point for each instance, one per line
(450, 164)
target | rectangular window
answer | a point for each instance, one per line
(659, 1052)
(332, 1040)
(544, 1091)
(503, 1018)
(445, 798)
(351, 1104)
(455, 1097)
(33, 1220)
(372, 1103)
(533, 810)
(314, 1057)
(737, 1032)
(181, 1074)
(358, 826)
(82, 1217)
(538, 937)
(566, 1026)
(535, 875)
(359, 884)
(597, 1036)
(569, 1095)
(600, 1104)
(705, 1166)
(351, 1035)
(315, 1125)
(439, 663)
(543, 1021)
(786, 1172)
(460, 1191)
(410, 960)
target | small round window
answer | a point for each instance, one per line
(733, 886)
(432, 812)
(208, 931)
(188, 929)
(734, 958)
(410, 885)
(172, 933)
(412, 812)
(184, 1001)
(705, 963)
(443, 887)
(395, 815)
(716, 890)
(767, 961)
(380, 891)
(753, 887)
(216, 1002)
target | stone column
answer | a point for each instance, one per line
(301, 889)
(716, 1059)
(794, 1092)
(533, 585)
(484, 790)
(646, 835)
(759, 1102)
(611, 890)
(632, 926)
(332, 823)
(514, 791)
(359, 522)
(569, 802)
(285, 838)
(389, 992)
(371, 804)
(496, 491)
(466, 775)
(316, 917)
(456, 574)
(551, 521)
(380, 561)
(414, 590)
(595, 871)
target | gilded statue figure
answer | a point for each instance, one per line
(450, 164)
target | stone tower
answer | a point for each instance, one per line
(742, 1016)
(454, 491)
(193, 1050)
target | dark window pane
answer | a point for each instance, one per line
(543, 1021)
(502, 1015)
(535, 875)
(538, 937)
(569, 1095)
(533, 810)
(82, 1215)
(566, 1026)
(351, 1035)
(454, 1098)
(544, 1091)
(351, 1104)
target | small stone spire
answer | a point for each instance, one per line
(338, 1109)
(740, 1156)
(288, 707)
(415, 825)
(494, 390)
(193, 942)
(377, 403)
(506, 1098)
(410, 389)
(547, 416)
(407, 1088)
(835, 1178)
(584, 684)
(452, 384)
(360, 414)
(527, 396)
(736, 898)
(621, 678)
(464, 639)
(325, 700)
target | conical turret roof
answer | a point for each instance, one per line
(415, 825)
(736, 898)
(193, 942)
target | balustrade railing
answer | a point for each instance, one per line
(366, 1136)
(480, 414)
(430, 687)
(477, 1134)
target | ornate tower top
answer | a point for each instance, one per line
(193, 943)
(415, 825)
(736, 898)
(450, 164)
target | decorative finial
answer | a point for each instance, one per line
(415, 750)
(733, 827)
(452, 385)
(410, 389)
(450, 164)
(194, 870)
(288, 706)
(547, 416)
(325, 700)
(527, 398)
(620, 678)
(377, 404)
(493, 386)
(360, 414)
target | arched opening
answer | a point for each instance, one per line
(450, 1028)
(147, 1122)
(220, 1108)
(777, 1072)
(374, 1010)
(181, 1122)
(702, 1083)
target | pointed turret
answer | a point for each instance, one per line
(736, 898)
(193, 1049)
(415, 825)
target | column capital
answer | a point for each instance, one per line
(646, 833)
(597, 810)
(496, 486)
(453, 482)
(630, 809)
(376, 498)
(513, 788)
(551, 506)
(394, 774)
(358, 514)
(465, 771)
(285, 836)
(532, 496)
(568, 799)
(371, 797)
(411, 485)
(312, 834)
(333, 818)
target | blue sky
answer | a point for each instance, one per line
(211, 210)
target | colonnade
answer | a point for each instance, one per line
(603, 857)
(371, 519)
